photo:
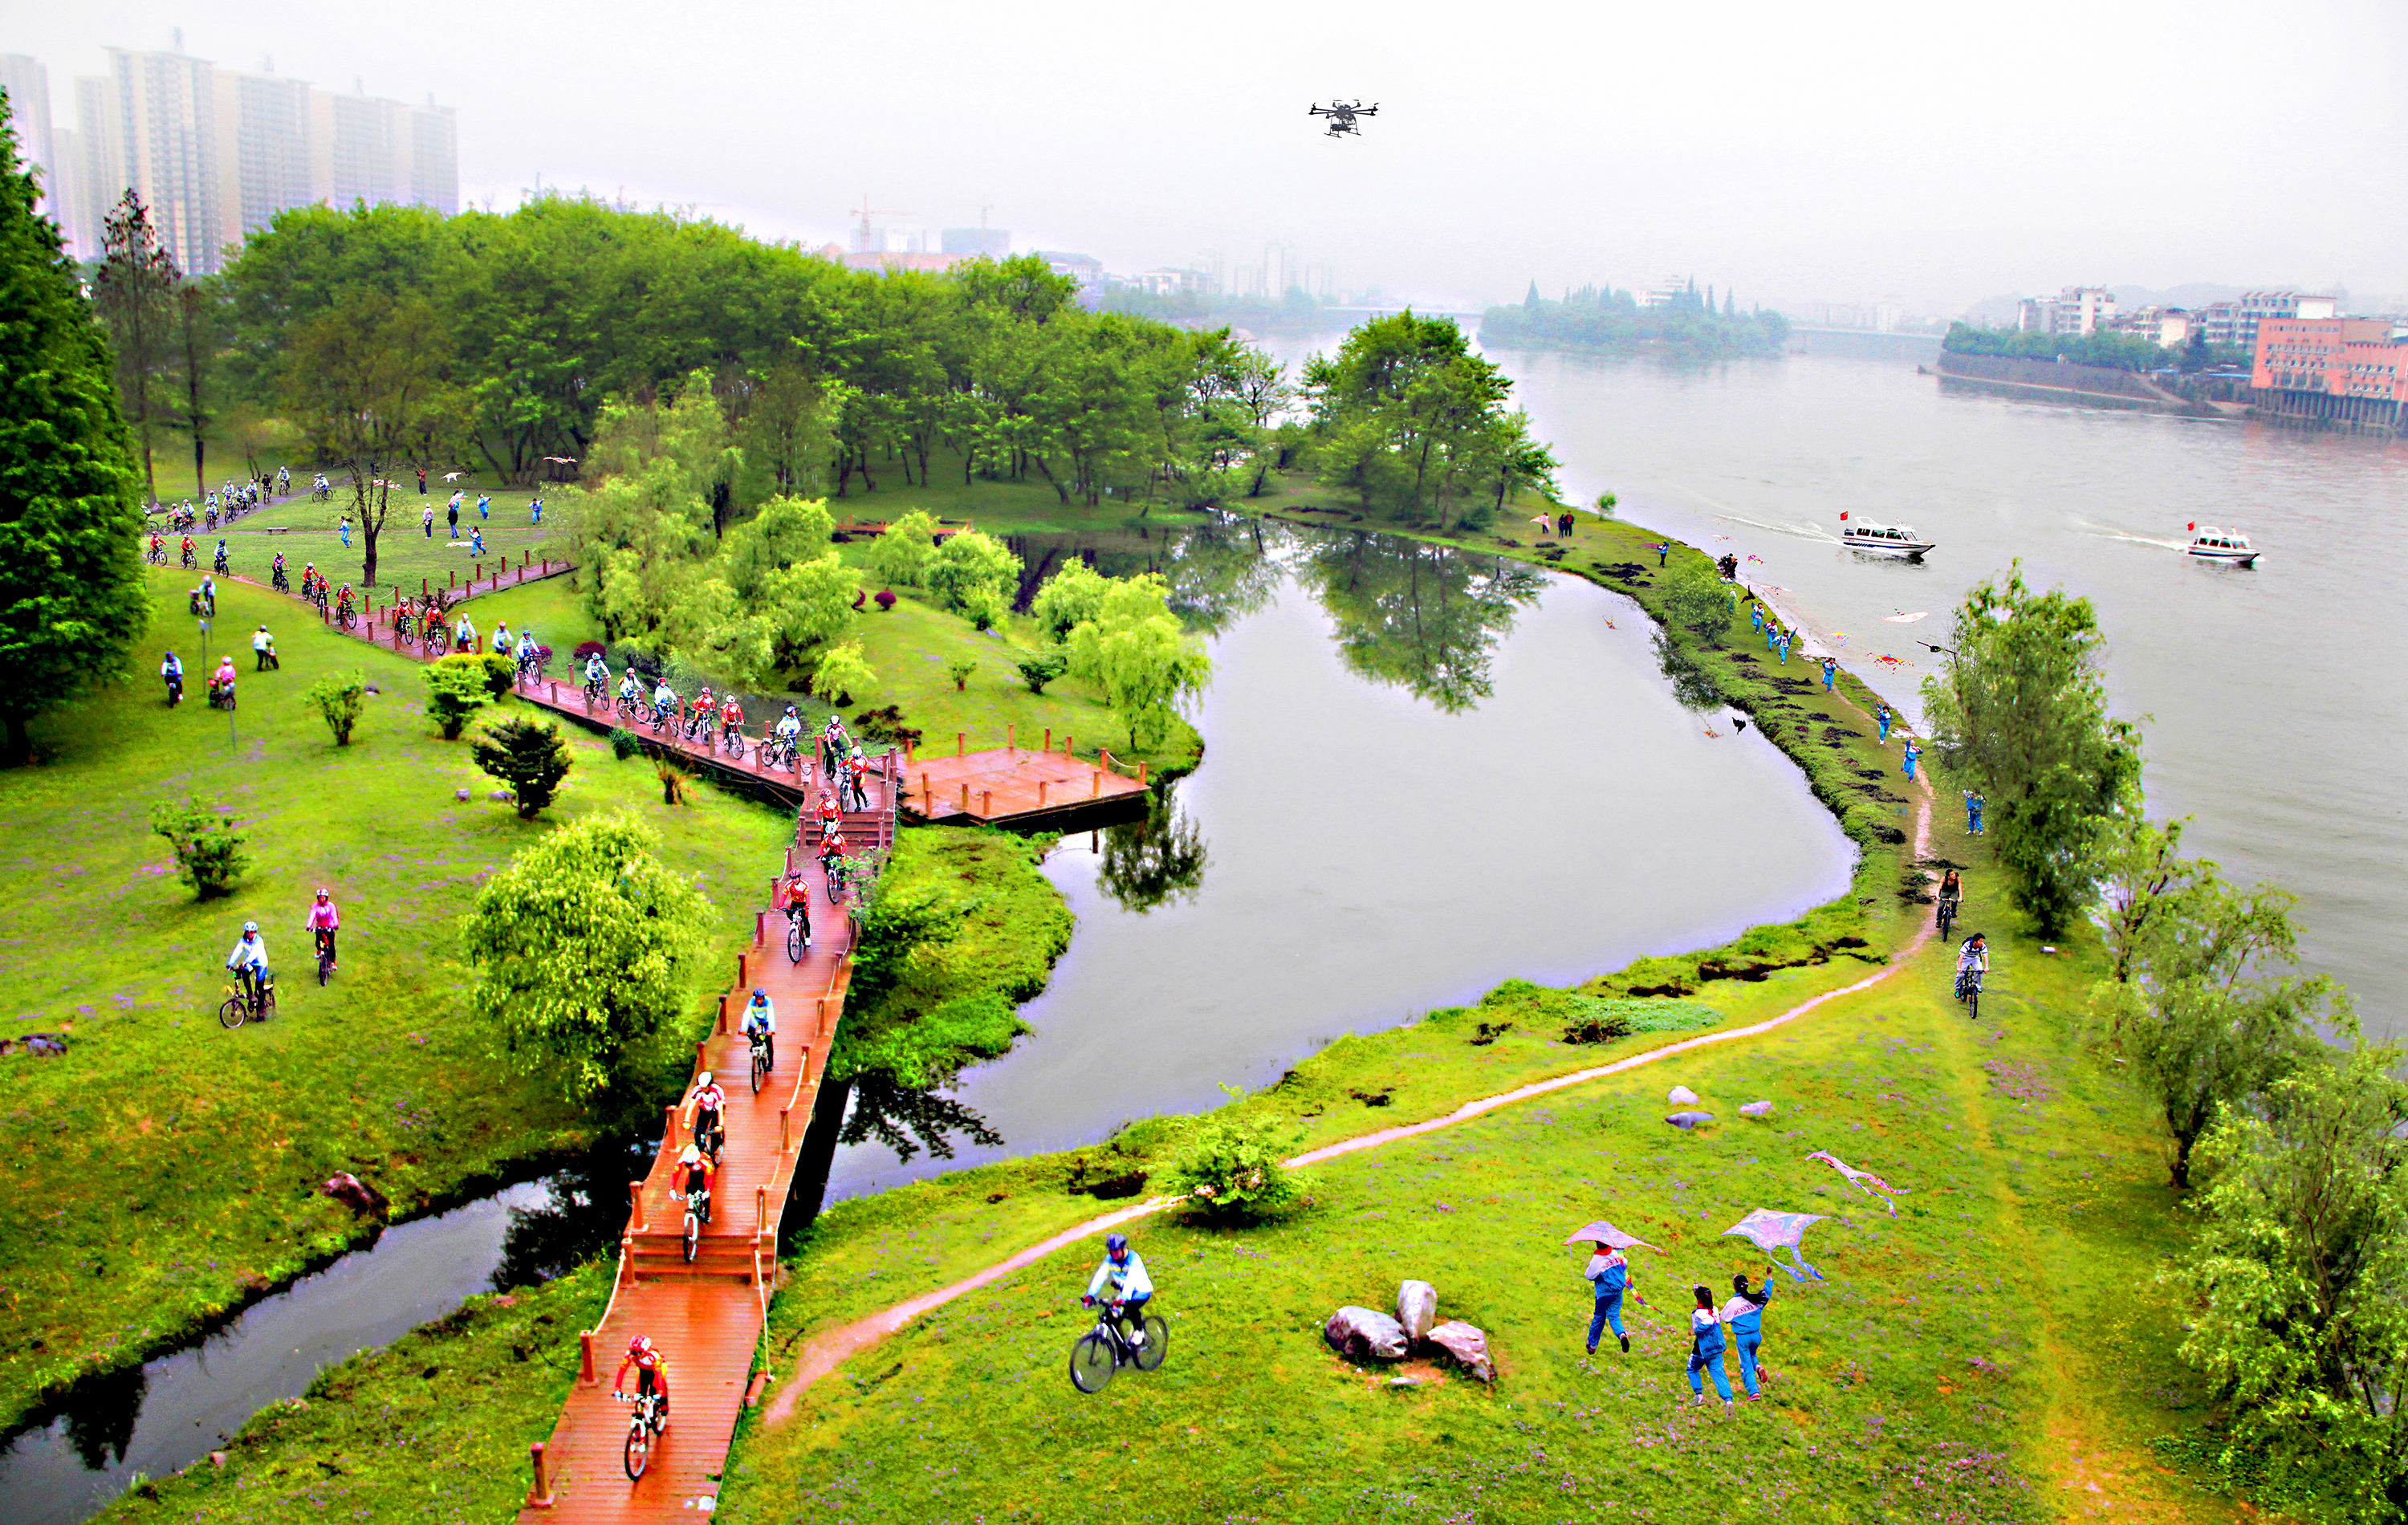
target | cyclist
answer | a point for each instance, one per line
(188, 550)
(1120, 1284)
(464, 634)
(249, 962)
(833, 744)
(158, 547)
(1952, 891)
(761, 1019)
(222, 684)
(501, 638)
(856, 772)
(277, 578)
(796, 901)
(171, 671)
(702, 1114)
(597, 673)
(704, 706)
(830, 812)
(731, 719)
(219, 558)
(692, 1179)
(1973, 962)
(664, 700)
(208, 592)
(324, 921)
(631, 692)
(526, 651)
(651, 1374)
(343, 603)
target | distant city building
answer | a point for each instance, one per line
(1661, 295)
(216, 153)
(899, 259)
(1087, 270)
(994, 243)
(2167, 325)
(2351, 371)
(28, 85)
(2237, 323)
(1167, 282)
(2076, 309)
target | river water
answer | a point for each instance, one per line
(2259, 723)
(1424, 772)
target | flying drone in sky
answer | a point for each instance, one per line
(1342, 115)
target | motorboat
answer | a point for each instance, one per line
(2209, 543)
(1893, 540)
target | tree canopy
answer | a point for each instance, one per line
(1603, 318)
(72, 596)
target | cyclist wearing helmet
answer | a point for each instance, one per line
(324, 920)
(692, 1178)
(856, 768)
(789, 724)
(651, 1372)
(249, 960)
(1122, 1282)
(702, 1110)
(760, 1016)
(796, 901)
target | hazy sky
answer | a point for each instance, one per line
(1852, 150)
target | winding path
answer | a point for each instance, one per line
(823, 1353)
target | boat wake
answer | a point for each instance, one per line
(2106, 534)
(1803, 531)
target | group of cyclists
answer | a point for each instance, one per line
(230, 498)
(248, 962)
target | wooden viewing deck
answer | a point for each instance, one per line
(1014, 786)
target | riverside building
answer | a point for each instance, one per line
(2348, 373)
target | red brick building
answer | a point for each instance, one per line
(2349, 372)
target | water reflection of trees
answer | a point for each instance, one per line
(909, 1118)
(1154, 861)
(1424, 617)
(584, 1211)
(1218, 571)
(1692, 685)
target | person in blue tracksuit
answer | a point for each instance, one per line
(1706, 1348)
(1830, 674)
(1973, 803)
(1744, 1312)
(1912, 754)
(1611, 1274)
(1884, 718)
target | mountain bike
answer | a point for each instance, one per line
(697, 1212)
(325, 954)
(644, 1429)
(1104, 1350)
(837, 873)
(280, 581)
(1969, 990)
(798, 931)
(1947, 914)
(761, 1061)
(156, 556)
(597, 691)
(245, 1001)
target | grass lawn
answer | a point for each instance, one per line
(307, 532)
(212, 1140)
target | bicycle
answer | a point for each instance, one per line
(344, 616)
(247, 1000)
(798, 931)
(1969, 990)
(731, 742)
(837, 874)
(1104, 1350)
(697, 1212)
(156, 556)
(595, 692)
(761, 1061)
(652, 1416)
(280, 581)
(325, 953)
(1947, 914)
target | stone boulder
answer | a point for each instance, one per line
(1362, 1334)
(1690, 1119)
(355, 1194)
(1468, 1345)
(1681, 1096)
(1416, 1308)
(1756, 1109)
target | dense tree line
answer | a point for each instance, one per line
(1604, 318)
(2115, 352)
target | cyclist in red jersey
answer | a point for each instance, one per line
(651, 1372)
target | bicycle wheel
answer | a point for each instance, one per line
(835, 887)
(233, 1014)
(1973, 1003)
(1157, 1343)
(693, 1234)
(325, 970)
(1093, 1361)
(639, 1449)
(1947, 915)
(794, 941)
(760, 1071)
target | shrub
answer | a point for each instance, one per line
(1605, 503)
(624, 743)
(339, 700)
(842, 673)
(526, 754)
(1043, 669)
(959, 671)
(499, 673)
(210, 854)
(885, 600)
(1230, 1169)
(886, 726)
(588, 650)
(455, 690)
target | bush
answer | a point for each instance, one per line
(500, 672)
(455, 690)
(842, 673)
(1605, 504)
(885, 600)
(959, 671)
(211, 854)
(624, 743)
(1230, 1169)
(588, 650)
(886, 726)
(526, 754)
(1043, 669)
(339, 699)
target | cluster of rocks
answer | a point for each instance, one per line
(1681, 1096)
(1366, 1334)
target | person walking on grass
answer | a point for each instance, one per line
(421, 481)
(426, 519)
(1973, 803)
(1563, 524)
(1830, 674)
(1609, 1274)
(475, 540)
(1884, 718)
(1706, 1346)
(1913, 754)
(1663, 552)
(535, 508)
(452, 515)
(484, 505)
(1744, 1312)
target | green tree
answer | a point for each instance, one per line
(2295, 1275)
(2020, 710)
(905, 550)
(1697, 599)
(365, 380)
(455, 690)
(1043, 669)
(1231, 1168)
(1073, 595)
(211, 852)
(587, 948)
(528, 756)
(974, 575)
(1415, 423)
(842, 674)
(339, 697)
(73, 600)
(133, 292)
(1135, 652)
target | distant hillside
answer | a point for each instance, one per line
(1603, 319)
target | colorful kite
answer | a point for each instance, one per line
(1886, 660)
(1774, 1230)
(1759, 560)
(1866, 1181)
(1602, 1232)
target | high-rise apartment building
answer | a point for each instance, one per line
(216, 153)
(28, 85)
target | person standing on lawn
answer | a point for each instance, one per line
(1610, 1274)
(1706, 1345)
(1744, 1312)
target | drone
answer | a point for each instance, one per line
(1342, 115)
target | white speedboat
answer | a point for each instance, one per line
(2209, 543)
(1895, 539)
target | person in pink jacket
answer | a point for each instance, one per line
(323, 919)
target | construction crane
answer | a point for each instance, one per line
(862, 234)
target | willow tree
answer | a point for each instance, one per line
(72, 595)
(1135, 650)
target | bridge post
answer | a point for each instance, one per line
(669, 1137)
(739, 969)
(539, 1495)
(761, 1208)
(1069, 747)
(1010, 737)
(986, 802)
(819, 1027)
(723, 1016)
(1040, 794)
(1096, 784)
(1140, 776)
(636, 1191)
(786, 1116)
(961, 743)
(586, 1375)
(701, 1051)
(1049, 737)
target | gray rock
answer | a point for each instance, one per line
(1360, 1334)
(1416, 1308)
(501, 794)
(1468, 1345)
(1756, 1109)
(459, 794)
(1681, 1096)
(1690, 1119)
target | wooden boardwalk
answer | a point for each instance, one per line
(706, 1317)
(1014, 786)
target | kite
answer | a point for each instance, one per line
(1866, 1181)
(454, 476)
(1541, 519)
(1908, 619)
(1886, 660)
(1602, 1233)
(1771, 1231)
(1839, 638)
(562, 460)
(1759, 560)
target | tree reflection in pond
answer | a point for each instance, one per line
(584, 1212)
(907, 1118)
(1155, 861)
(1691, 684)
(1427, 618)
